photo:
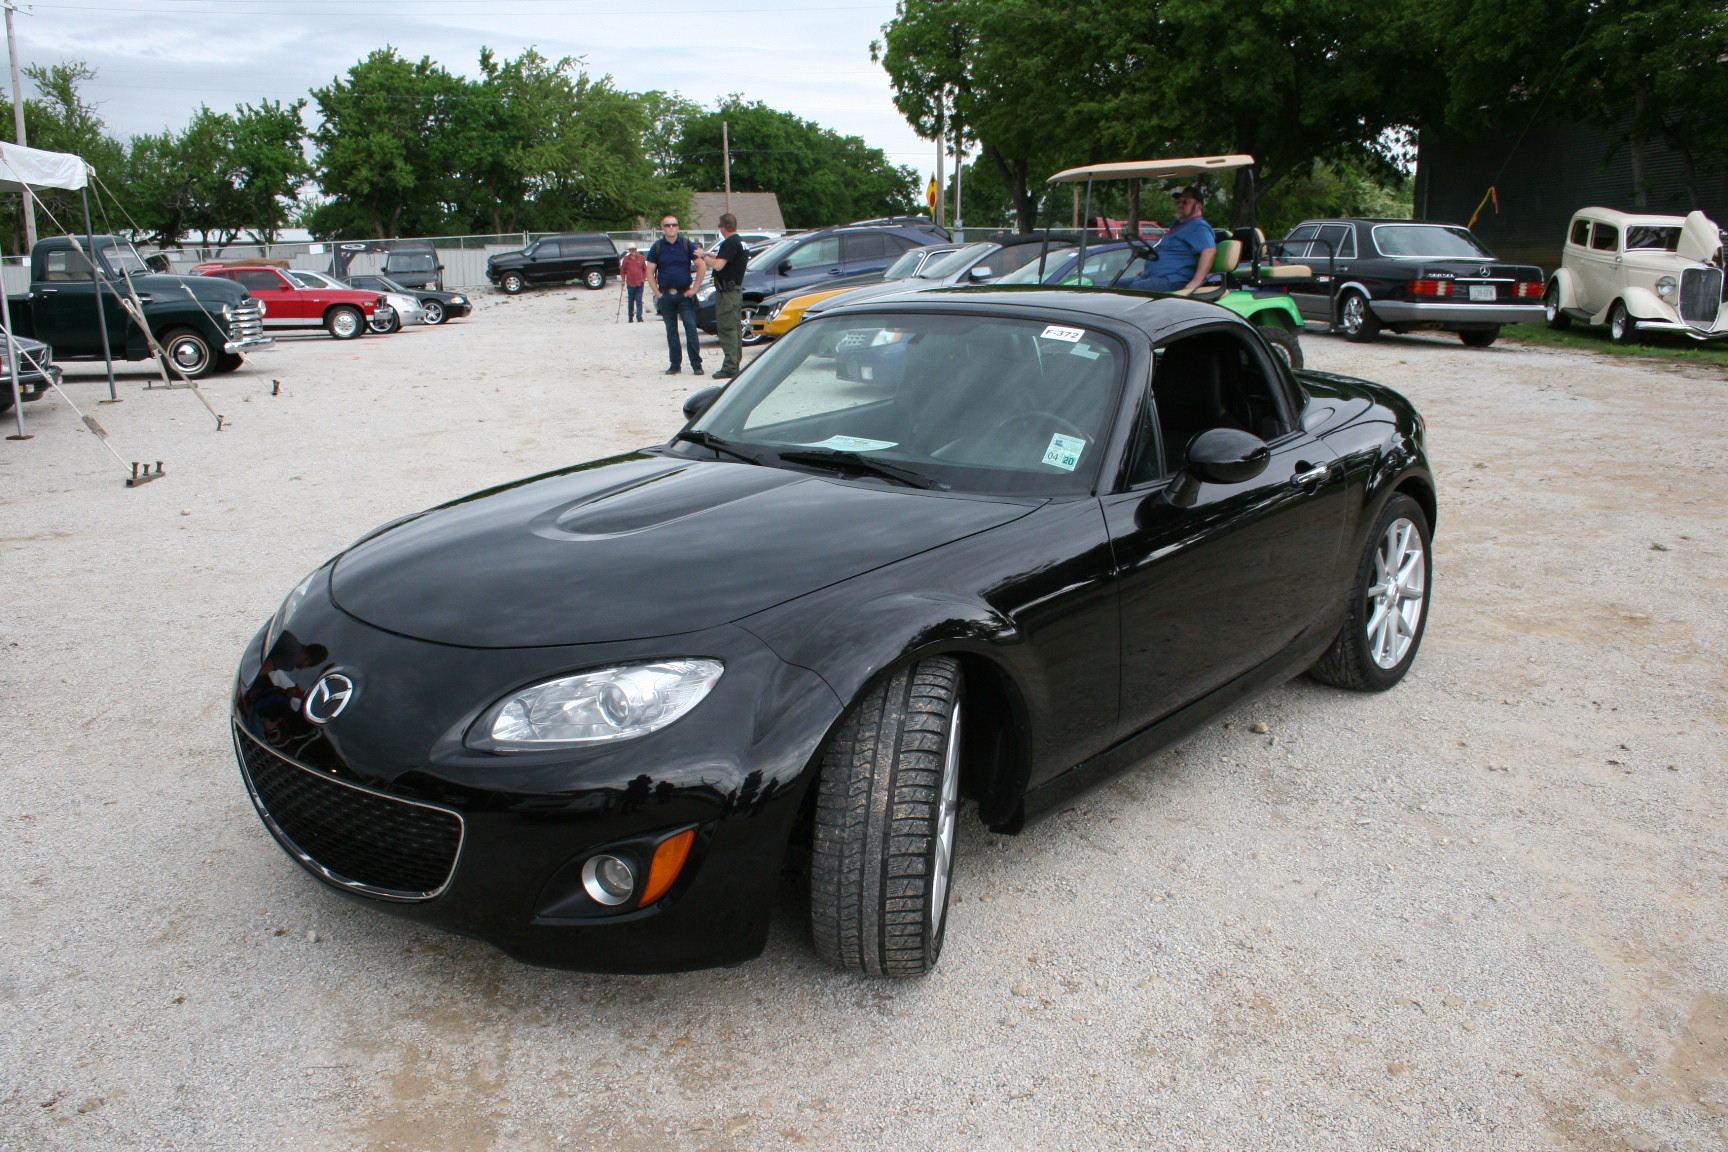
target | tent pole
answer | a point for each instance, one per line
(12, 353)
(101, 312)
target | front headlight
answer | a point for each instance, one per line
(458, 299)
(1666, 286)
(274, 632)
(594, 707)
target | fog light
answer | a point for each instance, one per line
(608, 879)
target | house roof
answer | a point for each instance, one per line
(756, 211)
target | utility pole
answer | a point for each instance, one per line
(726, 161)
(18, 125)
(941, 155)
(959, 178)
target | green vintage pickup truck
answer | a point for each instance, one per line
(202, 323)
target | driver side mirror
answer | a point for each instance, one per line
(1218, 456)
(785, 268)
(698, 402)
(982, 272)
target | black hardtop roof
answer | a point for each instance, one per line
(1154, 313)
(1379, 220)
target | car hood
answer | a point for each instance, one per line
(214, 289)
(871, 292)
(1699, 238)
(636, 547)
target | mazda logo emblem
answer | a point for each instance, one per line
(327, 698)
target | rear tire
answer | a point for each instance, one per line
(344, 322)
(886, 807)
(188, 353)
(1284, 342)
(384, 327)
(1383, 628)
(1479, 337)
(1356, 319)
(1551, 314)
(1622, 326)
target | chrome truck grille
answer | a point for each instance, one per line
(1700, 296)
(246, 321)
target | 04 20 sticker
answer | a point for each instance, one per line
(1064, 452)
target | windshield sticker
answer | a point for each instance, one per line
(853, 444)
(1087, 351)
(1057, 332)
(1064, 452)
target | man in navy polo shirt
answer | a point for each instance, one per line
(1185, 253)
(674, 275)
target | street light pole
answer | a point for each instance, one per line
(18, 126)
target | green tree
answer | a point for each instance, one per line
(820, 176)
(267, 164)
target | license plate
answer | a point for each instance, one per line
(1481, 291)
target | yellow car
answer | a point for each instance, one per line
(782, 318)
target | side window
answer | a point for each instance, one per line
(258, 280)
(1213, 380)
(824, 253)
(1606, 239)
(547, 250)
(903, 243)
(1297, 245)
(67, 264)
(1339, 242)
(1581, 232)
(865, 246)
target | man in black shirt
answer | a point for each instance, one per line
(726, 264)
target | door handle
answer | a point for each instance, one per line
(45, 291)
(1311, 473)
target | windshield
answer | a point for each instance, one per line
(1649, 236)
(906, 265)
(1432, 240)
(121, 258)
(314, 279)
(1102, 265)
(942, 266)
(979, 404)
(411, 262)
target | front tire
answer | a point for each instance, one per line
(228, 361)
(1388, 604)
(434, 309)
(1356, 320)
(594, 278)
(344, 322)
(512, 283)
(1551, 314)
(188, 353)
(1479, 337)
(887, 804)
(1284, 343)
(1622, 327)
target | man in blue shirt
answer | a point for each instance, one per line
(1185, 253)
(674, 275)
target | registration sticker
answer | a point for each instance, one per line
(1057, 332)
(1064, 452)
(853, 444)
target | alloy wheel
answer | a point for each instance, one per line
(1396, 597)
(1354, 314)
(947, 817)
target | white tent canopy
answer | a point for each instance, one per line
(1186, 167)
(22, 167)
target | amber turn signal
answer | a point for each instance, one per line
(669, 860)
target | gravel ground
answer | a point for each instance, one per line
(1483, 911)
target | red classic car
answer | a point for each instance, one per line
(342, 313)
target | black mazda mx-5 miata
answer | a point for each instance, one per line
(981, 543)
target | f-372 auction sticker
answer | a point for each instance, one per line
(1057, 332)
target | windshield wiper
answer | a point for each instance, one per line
(857, 462)
(709, 440)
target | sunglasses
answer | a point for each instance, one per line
(673, 224)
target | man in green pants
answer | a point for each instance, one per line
(726, 264)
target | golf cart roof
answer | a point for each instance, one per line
(1153, 169)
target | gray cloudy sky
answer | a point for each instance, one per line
(159, 59)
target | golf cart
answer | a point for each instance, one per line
(1246, 287)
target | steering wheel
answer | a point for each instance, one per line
(1066, 427)
(1143, 250)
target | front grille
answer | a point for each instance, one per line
(352, 836)
(246, 321)
(1700, 295)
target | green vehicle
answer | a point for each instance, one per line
(1249, 288)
